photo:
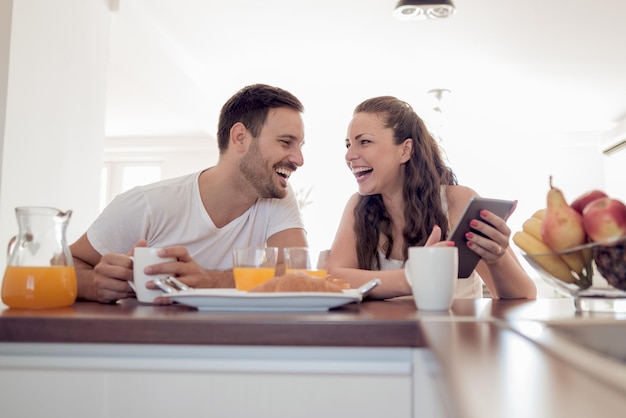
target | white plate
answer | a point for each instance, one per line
(235, 300)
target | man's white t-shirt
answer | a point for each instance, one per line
(170, 212)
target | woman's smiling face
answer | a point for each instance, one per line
(375, 160)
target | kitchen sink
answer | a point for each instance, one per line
(594, 345)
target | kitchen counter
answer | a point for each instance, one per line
(480, 365)
(391, 323)
(370, 324)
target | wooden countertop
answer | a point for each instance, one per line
(391, 323)
(370, 324)
(485, 368)
(490, 372)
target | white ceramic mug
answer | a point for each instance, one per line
(432, 274)
(143, 257)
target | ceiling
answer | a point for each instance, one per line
(556, 66)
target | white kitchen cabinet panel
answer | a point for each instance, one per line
(119, 381)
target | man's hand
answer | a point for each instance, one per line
(187, 271)
(112, 274)
(102, 278)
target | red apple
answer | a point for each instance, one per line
(604, 219)
(579, 203)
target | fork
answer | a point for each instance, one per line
(171, 284)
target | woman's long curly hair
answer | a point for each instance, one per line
(425, 173)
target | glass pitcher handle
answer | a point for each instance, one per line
(11, 245)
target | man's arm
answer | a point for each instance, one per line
(102, 279)
(85, 258)
(190, 273)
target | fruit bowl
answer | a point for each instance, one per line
(599, 287)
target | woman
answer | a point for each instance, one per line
(407, 197)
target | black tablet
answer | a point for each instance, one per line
(468, 259)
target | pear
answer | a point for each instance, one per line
(561, 229)
(562, 226)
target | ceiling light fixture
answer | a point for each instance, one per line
(423, 9)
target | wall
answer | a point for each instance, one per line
(177, 155)
(615, 160)
(54, 108)
(6, 11)
(615, 175)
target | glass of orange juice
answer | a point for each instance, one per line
(253, 266)
(299, 259)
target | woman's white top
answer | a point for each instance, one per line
(469, 288)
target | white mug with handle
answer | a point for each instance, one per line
(432, 274)
(143, 257)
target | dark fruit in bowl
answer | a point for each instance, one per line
(611, 263)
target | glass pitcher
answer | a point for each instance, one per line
(40, 271)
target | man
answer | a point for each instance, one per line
(242, 201)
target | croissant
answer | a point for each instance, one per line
(301, 282)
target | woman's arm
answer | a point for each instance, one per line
(499, 267)
(506, 279)
(343, 264)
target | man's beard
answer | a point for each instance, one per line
(254, 169)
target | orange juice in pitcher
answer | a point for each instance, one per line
(39, 287)
(40, 272)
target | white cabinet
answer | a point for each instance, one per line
(119, 381)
